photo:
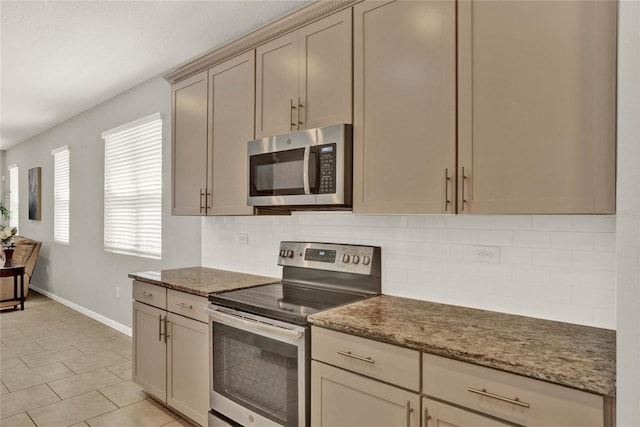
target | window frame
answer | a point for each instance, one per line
(61, 158)
(14, 196)
(133, 188)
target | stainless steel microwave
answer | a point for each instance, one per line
(302, 169)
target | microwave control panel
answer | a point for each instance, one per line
(327, 163)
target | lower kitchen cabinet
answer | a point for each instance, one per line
(438, 414)
(188, 367)
(356, 381)
(341, 398)
(171, 350)
(513, 398)
(149, 350)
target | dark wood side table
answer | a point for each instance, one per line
(15, 271)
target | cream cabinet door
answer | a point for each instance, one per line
(437, 414)
(537, 84)
(189, 145)
(303, 79)
(231, 94)
(277, 86)
(149, 350)
(404, 107)
(326, 72)
(343, 399)
(188, 367)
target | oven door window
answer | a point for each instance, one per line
(259, 373)
(281, 173)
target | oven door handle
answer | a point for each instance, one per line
(305, 170)
(233, 320)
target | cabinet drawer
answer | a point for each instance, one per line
(508, 396)
(150, 294)
(386, 362)
(188, 305)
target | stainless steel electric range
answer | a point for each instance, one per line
(260, 353)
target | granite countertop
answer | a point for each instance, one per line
(201, 280)
(572, 355)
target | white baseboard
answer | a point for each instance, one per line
(92, 314)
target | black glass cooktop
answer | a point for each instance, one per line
(283, 301)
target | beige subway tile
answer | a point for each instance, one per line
(123, 370)
(27, 399)
(124, 393)
(51, 356)
(20, 420)
(93, 361)
(83, 383)
(147, 413)
(31, 377)
(19, 349)
(73, 410)
(12, 365)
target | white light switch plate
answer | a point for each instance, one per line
(488, 254)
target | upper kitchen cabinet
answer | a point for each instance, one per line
(404, 107)
(304, 78)
(231, 100)
(213, 118)
(189, 145)
(536, 94)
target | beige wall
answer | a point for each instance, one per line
(82, 272)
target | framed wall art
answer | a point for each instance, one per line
(35, 204)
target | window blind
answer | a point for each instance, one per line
(14, 199)
(133, 188)
(61, 194)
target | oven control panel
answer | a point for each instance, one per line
(331, 256)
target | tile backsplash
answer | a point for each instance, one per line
(558, 267)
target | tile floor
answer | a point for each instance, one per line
(61, 368)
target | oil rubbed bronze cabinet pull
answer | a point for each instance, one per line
(427, 417)
(293, 108)
(299, 110)
(183, 305)
(484, 392)
(464, 180)
(160, 327)
(145, 294)
(409, 410)
(446, 189)
(166, 328)
(355, 356)
(201, 196)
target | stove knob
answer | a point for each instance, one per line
(366, 260)
(289, 253)
(345, 258)
(356, 259)
(282, 252)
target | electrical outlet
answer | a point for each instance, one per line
(242, 238)
(117, 292)
(488, 254)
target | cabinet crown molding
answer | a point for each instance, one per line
(290, 22)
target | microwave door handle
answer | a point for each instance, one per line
(305, 170)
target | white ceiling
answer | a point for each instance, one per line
(59, 58)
